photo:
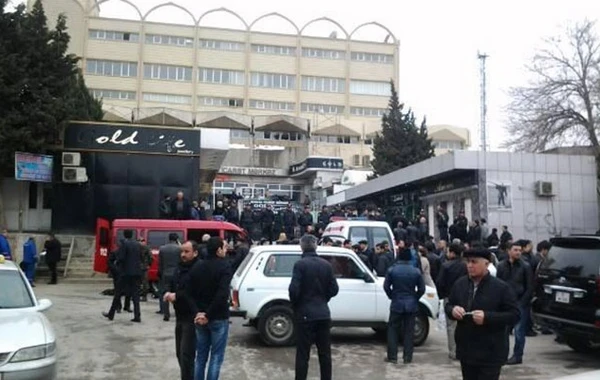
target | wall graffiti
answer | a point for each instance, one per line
(540, 222)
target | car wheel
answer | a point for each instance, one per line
(421, 328)
(581, 345)
(276, 326)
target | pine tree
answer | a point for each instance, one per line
(400, 143)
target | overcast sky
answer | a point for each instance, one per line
(439, 41)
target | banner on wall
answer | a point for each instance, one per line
(499, 195)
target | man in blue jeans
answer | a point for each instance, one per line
(519, 276)
(208, 297)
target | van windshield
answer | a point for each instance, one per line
(580, 257)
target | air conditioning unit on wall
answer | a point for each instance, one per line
(74, 175)
(544, 189)
(71, 159)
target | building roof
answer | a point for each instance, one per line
(336, 130)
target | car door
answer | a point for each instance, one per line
(356, 299)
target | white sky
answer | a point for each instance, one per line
(439, 41)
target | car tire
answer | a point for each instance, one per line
(421, 328)
(581, 345)
(276, 326)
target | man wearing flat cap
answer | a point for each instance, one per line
(485, 308)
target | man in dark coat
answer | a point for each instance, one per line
(168, 262)
(519, 276)
(129, 261)
(289, 222)
(312, 286)
(181, 208)
(403, 285)
(485, 308)
(246, 219)
(268, 221)
(304, 220)
(442, 223)
(53, 250)
(185, 330)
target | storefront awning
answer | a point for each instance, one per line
(281, 123)
(336, 130)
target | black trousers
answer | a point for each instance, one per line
(52, 267)
(400, 325)
(268, 232)
(128, 285)
(289, 232)
(479, 372)
(185, 345)
(307, 333)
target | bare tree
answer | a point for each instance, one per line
(561, 104)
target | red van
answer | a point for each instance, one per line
(156, 233)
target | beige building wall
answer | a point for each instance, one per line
(447, 138)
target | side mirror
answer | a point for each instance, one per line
(368, 278)
(44, 304)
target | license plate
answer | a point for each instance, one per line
(563, 297)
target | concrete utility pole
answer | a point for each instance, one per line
(483, 100)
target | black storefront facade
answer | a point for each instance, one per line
(129, 169)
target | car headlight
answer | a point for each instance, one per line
(34, 353)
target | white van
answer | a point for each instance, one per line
(358, 229)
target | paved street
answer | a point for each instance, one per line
(91, 347)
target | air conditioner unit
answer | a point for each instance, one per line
(74, 175)
(544, 189)
(71, 159)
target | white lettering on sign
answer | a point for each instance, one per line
(179, 144)
(251, 171)
(115, 138)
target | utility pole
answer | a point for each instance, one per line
(483, 100)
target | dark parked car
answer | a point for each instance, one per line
(567, 295)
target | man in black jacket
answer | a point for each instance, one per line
(485, 307)
(168, 261)
(53, 250)
(312, 286)
(208, 299)
(519, 276)
(304, 220)
(289, 221)
(453, 269)
(185, 330)
(268, 221)
(129, 262)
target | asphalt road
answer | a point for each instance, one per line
(91, 347)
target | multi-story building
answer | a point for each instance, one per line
(284, 97)
(447, 138)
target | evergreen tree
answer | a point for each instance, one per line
(41, 87)
(401, 142)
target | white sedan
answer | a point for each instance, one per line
(28, 342)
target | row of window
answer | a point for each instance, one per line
(336, 139)
(159, 39)
(235, 77)
(447, 144)
(266, 135)
(358, 160)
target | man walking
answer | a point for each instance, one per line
(312, 286)
(185, 330)
(168, 261)
(519, 276)
(484, 308)
(403, 285)
(53, 250)
(5, 245)
(208, 299)
(128, 258)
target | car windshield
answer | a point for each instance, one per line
(13, 291)
(579, 258)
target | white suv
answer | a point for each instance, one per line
(259, 293)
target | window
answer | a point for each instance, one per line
(362, 87)
(207, 75)
(111, 68)
(156, 239)
(372, 57)
(356, 160)
(167, 98)
(366, 161)
(221, 45)
(96, 34)
(33, 195)
(368, 140)
(323, 54)
(113, 94)
(280, 265)
(120, 236)
(345, 268)
(272, 49)
(272, 80)
(167, 72)
(271, 105)
(157, 39)
(380, 234)
(573, 258)
(445, 144)
(357, 234)
(322, 108)
(323, 84)
(368, 112)
(239, 134)
(47, 197)
(18, 296)
(220, 102)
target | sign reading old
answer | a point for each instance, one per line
(132, 138)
